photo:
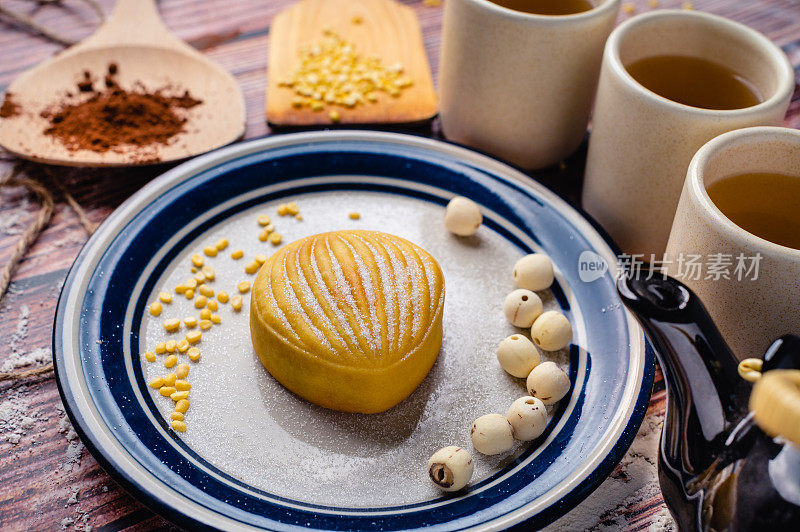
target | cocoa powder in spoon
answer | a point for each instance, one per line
(9, 107)
(115, 118)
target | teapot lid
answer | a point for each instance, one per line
(775, 403)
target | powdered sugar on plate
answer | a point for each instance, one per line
(245, 423)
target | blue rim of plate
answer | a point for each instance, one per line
(104, 393)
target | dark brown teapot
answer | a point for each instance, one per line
(727, 461)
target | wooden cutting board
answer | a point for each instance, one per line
(375, 27)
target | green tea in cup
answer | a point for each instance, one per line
(694, 81)
(547, 7)
(764, 204)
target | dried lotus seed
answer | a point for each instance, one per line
(450, 468)
(517, 355)
(534, 272)
(462, 216)
(548, 383)
(528, 418)
(492, 434)
(551, 331)
(522, 307)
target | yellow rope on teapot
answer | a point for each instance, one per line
(775, 403)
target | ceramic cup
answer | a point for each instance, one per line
(641, 143)
(517, 85)
(750, 313)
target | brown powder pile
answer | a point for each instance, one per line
(10, 107)
(113, 118)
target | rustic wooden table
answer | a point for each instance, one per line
(49, 480)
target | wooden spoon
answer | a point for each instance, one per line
(135, 38)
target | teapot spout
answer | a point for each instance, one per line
(698, 365)
(706, 398)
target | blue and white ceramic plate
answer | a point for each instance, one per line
(254, 456)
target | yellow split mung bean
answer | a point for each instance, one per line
(179, 396)
(182, 406)
(182, 371)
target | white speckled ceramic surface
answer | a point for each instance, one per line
(752, 312)
(641, 143)
(517, 85)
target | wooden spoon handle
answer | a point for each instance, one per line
(133, 22)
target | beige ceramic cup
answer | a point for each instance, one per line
(641, 143)
(750, 313)
(517, 85)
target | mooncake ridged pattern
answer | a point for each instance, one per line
(362, 306)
